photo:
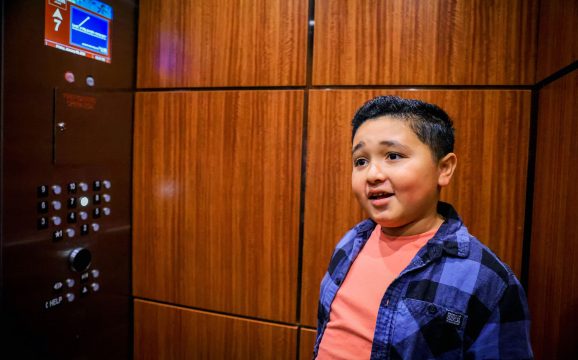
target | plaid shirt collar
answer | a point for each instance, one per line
(452, 236)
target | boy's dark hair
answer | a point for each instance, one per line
(429, 122)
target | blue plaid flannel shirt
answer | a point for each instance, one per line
(455, 300)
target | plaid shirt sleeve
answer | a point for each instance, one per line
(506, 333)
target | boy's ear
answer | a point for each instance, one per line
(446, 167)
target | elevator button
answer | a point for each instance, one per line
(56, 220)
(95, 227)
(43, 207)
(72, 188)
(58, 286)
(58, 235)
(56, 205)
(71, 218)
(70, 282)
(70, 232)
(95, 287)
(95, 273)
(106, 198)
(90, 81)
(83, 200)
(42, 223)
(71, 203)
(84, 229)
(80, 259)
(106, 211)
(69, 76)
(42, 191)
(70, 297)
(83, 186)
(56, 189)
(96, 198)
(107, 184)
(96, 213)
(96, 185)
(83, 215)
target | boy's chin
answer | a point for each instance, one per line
(388, 222)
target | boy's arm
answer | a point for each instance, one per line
(506, 334)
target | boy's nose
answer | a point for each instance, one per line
(375, 173)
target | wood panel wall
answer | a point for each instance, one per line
(216, 201)
(241, 151)
(424, 42)
(553, 286)
(213, 43)
(558, 43)
(172, 333)
(553, 275)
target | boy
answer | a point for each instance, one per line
(411, 282)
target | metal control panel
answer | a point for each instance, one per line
(67, 109)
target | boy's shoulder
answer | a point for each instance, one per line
(477, 276)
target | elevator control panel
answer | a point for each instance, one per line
(65, 216)
(67, 212)
(73, 209)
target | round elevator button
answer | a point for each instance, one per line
(80, 259)
(56, 205)
(70, 232)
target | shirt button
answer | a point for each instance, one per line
(431, 309)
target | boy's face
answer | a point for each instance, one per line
(395, 177)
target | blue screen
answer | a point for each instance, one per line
(88, 31)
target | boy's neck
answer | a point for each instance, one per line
(414, 228)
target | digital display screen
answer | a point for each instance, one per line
(80, 27)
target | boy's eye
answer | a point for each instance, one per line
(359, 162)
(393, 156)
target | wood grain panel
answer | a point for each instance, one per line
(553, 277)
(216, 200)
(424, 42)
(209, 43)
(488, 189)
(170, 332)
(306, 343)
(557, 40)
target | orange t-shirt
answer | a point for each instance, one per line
(349, 333)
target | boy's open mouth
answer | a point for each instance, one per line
(379, 195)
